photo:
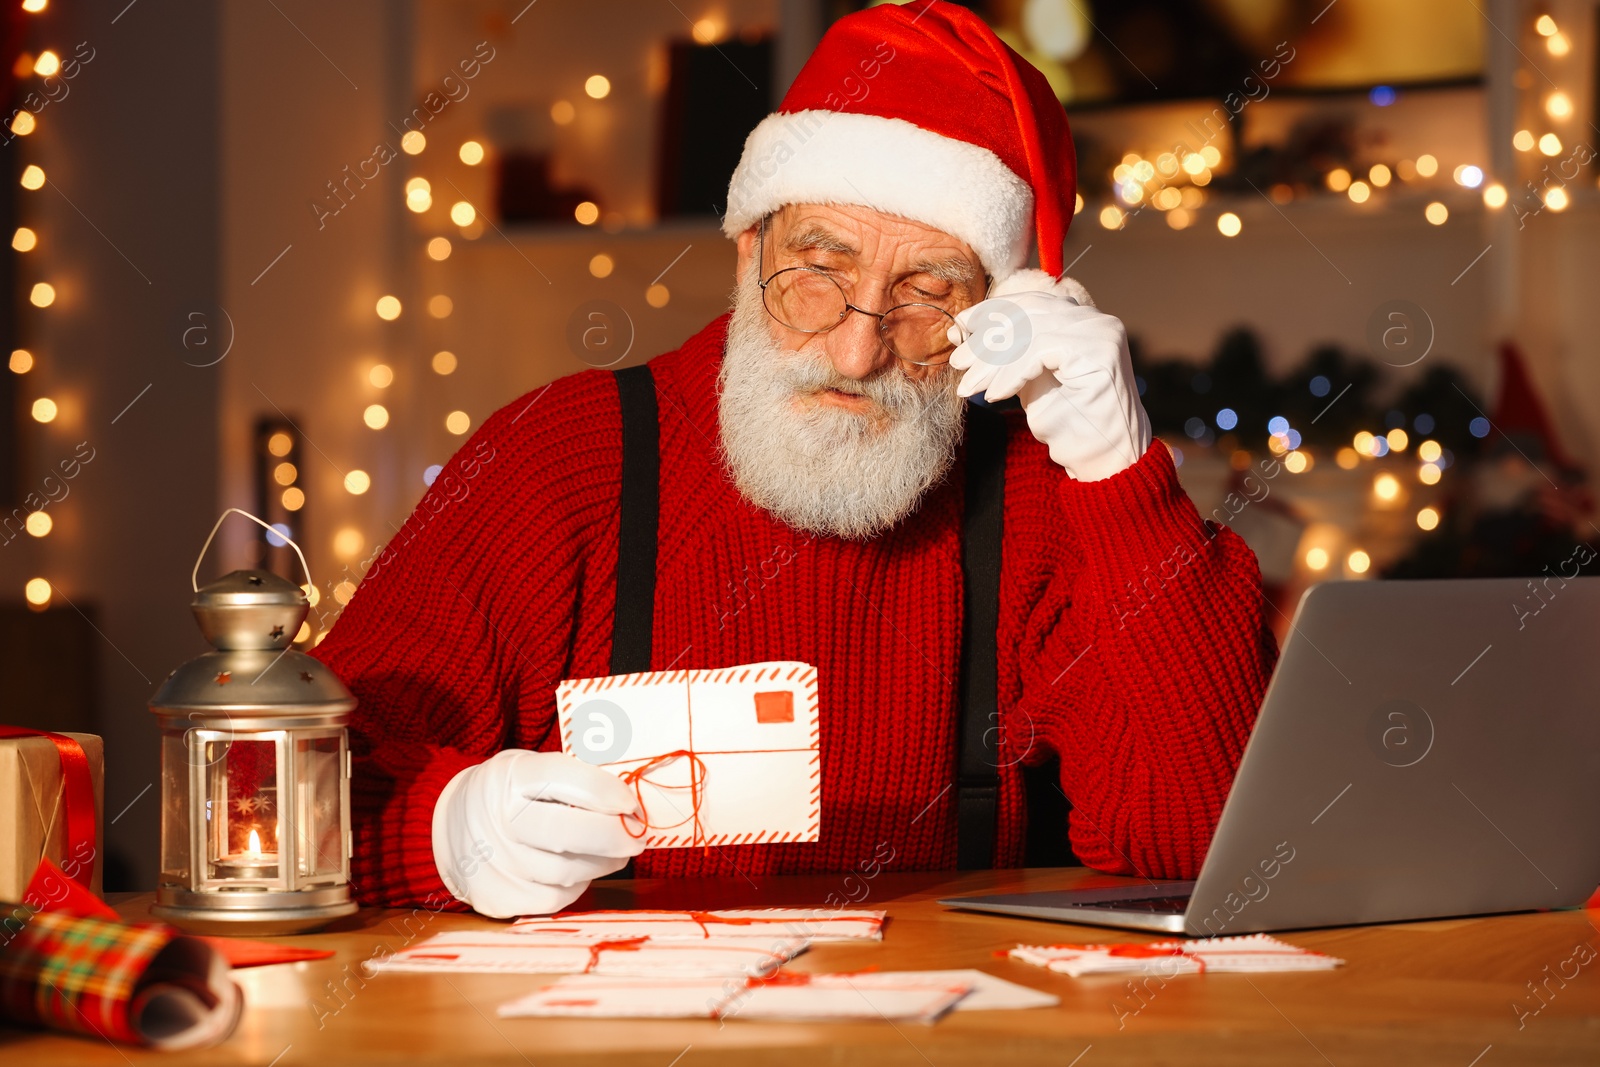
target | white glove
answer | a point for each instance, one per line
(1044, 341)
(524, 833)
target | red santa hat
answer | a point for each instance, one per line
(919, 111)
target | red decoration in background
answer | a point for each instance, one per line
(1518, 409)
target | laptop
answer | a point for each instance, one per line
(1425, 749)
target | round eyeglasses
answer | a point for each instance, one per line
(808, 300)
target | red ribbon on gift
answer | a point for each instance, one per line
(78, 801)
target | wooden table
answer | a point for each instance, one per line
(1418, 993)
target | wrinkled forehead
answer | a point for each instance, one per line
(871, 240)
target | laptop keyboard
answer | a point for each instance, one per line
(1151, 904)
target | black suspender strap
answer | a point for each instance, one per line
(641, 505)
(978, 729)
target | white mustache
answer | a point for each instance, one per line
(811, 373)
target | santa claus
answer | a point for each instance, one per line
(808, 478)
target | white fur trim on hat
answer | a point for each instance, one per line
(889, 165)
(1037, 281)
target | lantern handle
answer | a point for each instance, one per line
(194, 579)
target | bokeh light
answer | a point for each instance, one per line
(348, 542)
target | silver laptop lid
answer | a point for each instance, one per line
(1425, 748)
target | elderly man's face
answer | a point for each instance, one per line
(831, 431)
(879, 261)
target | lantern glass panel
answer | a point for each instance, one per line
(242, 788)
(175, 840)
(319, 808)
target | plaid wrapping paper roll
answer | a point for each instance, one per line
(145, 984)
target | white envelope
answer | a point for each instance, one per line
(1247, 953)
(592, 996)
(905, 996)
(815, 924)
(919, 995)
(741, 743)
(493, 952)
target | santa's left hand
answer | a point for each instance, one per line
(1044, 341)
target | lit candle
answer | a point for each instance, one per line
(253, 862)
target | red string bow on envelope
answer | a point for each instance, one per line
(696, 787)
(78, 798)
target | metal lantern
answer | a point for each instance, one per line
(255, 767)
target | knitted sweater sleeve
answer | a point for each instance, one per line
(1144, 656)
(466, 619)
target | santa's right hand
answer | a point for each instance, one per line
(524, 833)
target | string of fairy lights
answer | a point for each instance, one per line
(1175, 184)
(445, 221)
(37, 591)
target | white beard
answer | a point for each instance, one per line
(818, 467)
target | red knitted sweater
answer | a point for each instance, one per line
(1132, 641)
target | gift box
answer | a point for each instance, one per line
(52, 789)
